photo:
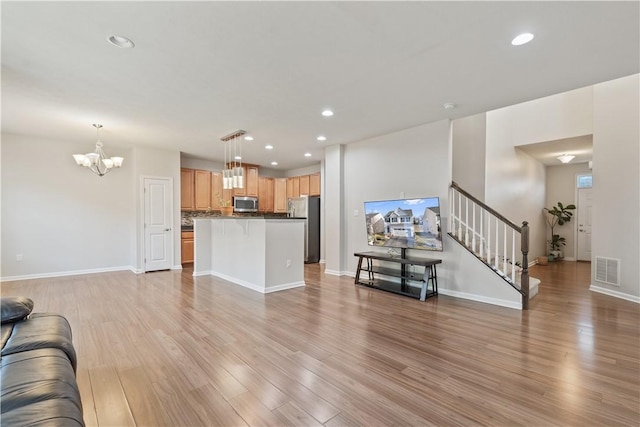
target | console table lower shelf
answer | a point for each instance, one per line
(420, 285)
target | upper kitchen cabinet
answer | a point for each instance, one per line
(202, 190)
(265, 194)
(293, 187)
(250, 187)
(187, 195)
(304, 185)
(216, 189)
(280, 195)
(314, 184)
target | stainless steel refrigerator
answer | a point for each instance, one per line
(308, 208)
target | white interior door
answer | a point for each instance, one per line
(584, 224)
(158, 234)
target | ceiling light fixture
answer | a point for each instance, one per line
(248, 138)
(321, 138)
(521, 39)
(274, 163)
(97, 162)
(233, 174)
(449, 106)
(565, 158)
(327, 113)
(307, 154)
(268, 147)
(121, 41)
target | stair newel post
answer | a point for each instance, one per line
(524, 279)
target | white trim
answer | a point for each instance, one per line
(322, 261)
(616, 294)
(177, 267)
(172, 238)
(339, 273)
(68, 273)
(479, 298)
(202, 273)
(258, 288)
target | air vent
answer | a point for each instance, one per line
(608, 270)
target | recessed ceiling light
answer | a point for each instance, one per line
(327, 113)
(121, 41)
(307, 154)
(449, 106)
(238, 157)
(521, 39)
(248, 138)
(321, 138)
(268, 147)
(274, 163)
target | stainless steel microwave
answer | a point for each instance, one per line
(245, 204)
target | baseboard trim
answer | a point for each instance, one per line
(616, 294)
(339, 273)
(177, 267)
(480, 298)
(258, 288)
(202, 273)
(68, 273)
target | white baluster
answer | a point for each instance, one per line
(513, 255)
(496, 253)
(504, 256)
(481, 234)
(489, 239)
(473, 236)
(459, 216)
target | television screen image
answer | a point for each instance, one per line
(405, 223)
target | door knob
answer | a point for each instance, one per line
(167, 229)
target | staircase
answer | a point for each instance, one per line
(495, 241)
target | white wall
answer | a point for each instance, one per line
(561, 187)
(156, 164)
(616, 182)
(469, 152)
(564, 115)
(514, 181)
(60, 217)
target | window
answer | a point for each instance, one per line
(585, 181)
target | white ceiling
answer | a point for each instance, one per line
(201, 70)
(547, 152)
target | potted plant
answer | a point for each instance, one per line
(225, 205)
(557, 215)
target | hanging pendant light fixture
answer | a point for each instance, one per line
(97, 162)
(233, 174)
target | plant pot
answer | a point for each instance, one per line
(226, 210)
(542, 260)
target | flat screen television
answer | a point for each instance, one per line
(404, 223)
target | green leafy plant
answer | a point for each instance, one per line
(556, 216)
(223, 203)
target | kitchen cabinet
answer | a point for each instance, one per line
(304, 185)
(250, 187)
(216, 189)
(293, 187)
(187, 196)
(202, 190)
(314, 184)
(265, 194)
(280, 195)
(187, 246)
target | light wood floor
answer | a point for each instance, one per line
(167, 349)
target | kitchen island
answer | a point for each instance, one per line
(262, 254)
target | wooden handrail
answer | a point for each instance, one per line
(487, 208)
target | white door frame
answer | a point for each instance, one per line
(577, 203)
(142, 234)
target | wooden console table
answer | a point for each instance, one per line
(404, 287)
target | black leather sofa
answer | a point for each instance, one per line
(37, 368)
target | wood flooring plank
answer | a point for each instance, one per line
(112, 406)
(145, 406)
(253, 412)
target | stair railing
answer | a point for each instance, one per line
(491, 237)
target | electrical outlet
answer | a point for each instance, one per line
(288, 263)
(18, 257)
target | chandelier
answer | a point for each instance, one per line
(233, 174)
(97, 162)
(565, 158)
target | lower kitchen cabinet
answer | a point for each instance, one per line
(187, 247)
